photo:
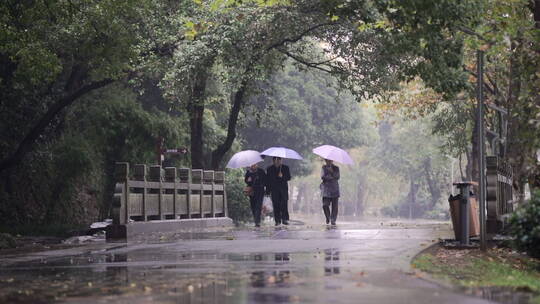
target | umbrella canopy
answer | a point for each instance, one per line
(281, 152)
(244, 159)
(334, 153)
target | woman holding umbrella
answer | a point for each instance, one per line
(330, 190)
(330, 177)
(255, 178)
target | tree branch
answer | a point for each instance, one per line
(25, 145)
(314, 65)
(298, 37)
(238, 103)
(471, 32)
(486, 85)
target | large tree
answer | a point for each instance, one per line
(51, 54)
(367, 45)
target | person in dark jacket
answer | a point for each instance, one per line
(256, 178)
(277, 177)
(330, 190)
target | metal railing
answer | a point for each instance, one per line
(499, 196)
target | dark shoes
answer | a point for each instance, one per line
(333, 223)
(257, 225)
(285, 223)
(327, 221)
(278, 223)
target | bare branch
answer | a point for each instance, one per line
(486, 85)
(471, 32)
(25, 145)
(299, 36)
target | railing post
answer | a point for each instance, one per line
(170, 177)
(219, 178)
(139, 173)
(197, 178)
(156, 176)
(185, 177)
(213, 210)
(208, 176)
(225, 209)
(121, 202)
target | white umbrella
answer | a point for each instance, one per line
(334, 153)
(244, 159)
(281, 152)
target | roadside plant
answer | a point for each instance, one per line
(525, 226)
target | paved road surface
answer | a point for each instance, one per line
(364, 262)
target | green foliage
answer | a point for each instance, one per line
(49, 50)
(409, 149)
(237, 202)
(199, 53)
(302, 110)
(69, 182)
(525, 226)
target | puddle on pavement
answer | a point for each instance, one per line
(502, 294)
(181, 277)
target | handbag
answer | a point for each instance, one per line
(248, 191)
(267, 205)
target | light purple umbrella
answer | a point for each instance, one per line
(334, 153)
(281, 152)
(244, 159)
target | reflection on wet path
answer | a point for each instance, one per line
(208, 277)
(293, 265)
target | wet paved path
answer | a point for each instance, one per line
(355, 263)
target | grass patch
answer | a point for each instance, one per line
(498, 267)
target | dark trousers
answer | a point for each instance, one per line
(279, 203)
(327, 203)
(256, 205)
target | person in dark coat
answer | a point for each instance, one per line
(330, 190)
(256, 178)
(277, 177)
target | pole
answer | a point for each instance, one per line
(464, 216)
(452, 176)
(481, 151)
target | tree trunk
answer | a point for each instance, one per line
(196, 118)
(238, 102)
(516, 122)
(434, 191)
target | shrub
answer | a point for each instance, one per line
(237, 203)
(525, 226)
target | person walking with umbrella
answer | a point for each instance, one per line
(255, 178)
(277, 177)
(330, 190)
(330, 177)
